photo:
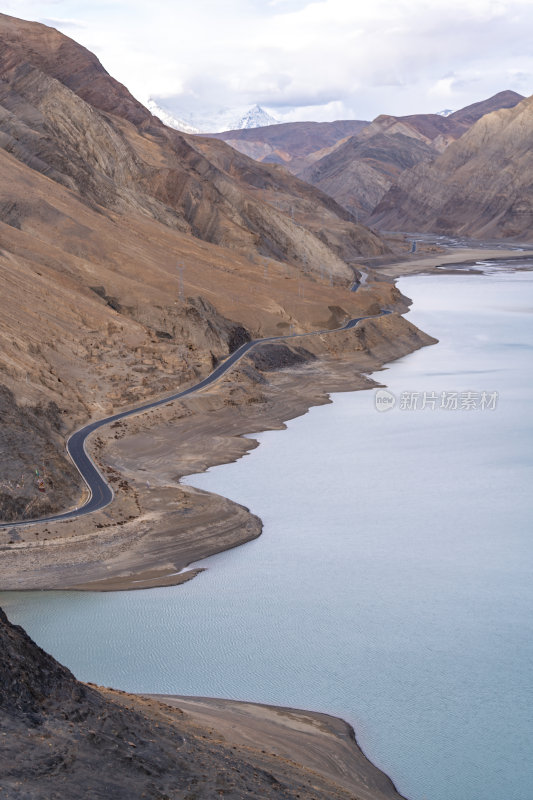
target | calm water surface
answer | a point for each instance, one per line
(393, 582)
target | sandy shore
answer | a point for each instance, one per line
(458, 255)
(279, 738)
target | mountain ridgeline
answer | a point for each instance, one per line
(359, 172)
(402, 173)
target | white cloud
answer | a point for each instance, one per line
(329, 57)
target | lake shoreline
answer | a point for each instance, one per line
(214, 701)
(157, 528)
(318, 742)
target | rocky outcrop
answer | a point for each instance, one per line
(274, 356)
(36, 478)
(480, 186)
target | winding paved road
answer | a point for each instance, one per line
(100, 492)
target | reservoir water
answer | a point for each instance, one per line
(393, 583)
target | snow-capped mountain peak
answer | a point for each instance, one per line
(445, 112)
(256, 117)
(168, 119)
(209, 120)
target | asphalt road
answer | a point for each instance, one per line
(100, 492)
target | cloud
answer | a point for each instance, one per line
(329, 56)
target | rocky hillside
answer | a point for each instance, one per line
(360, 171)
(53, 95)
(30, 490)
(133, 257)
(481, 186)
(294, 145)
(62, 738)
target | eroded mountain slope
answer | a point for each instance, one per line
(62, 738)
(360, 172)
(482, 185)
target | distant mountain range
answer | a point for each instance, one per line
(359, 171)
(222, 120)
(357, 162)
(293, 144)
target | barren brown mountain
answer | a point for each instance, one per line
(295, 145)
(361, 170)
(132, 257)
(481, 186)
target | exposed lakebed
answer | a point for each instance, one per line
(393, 583)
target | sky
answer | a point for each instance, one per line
(324, 60)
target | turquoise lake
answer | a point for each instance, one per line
(393, 583)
